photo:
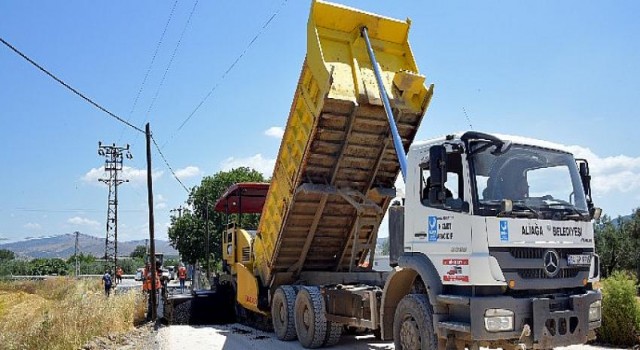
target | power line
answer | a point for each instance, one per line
(168, 166)
(71, 210)
(153, 59)
(69, 86)
(467, 116)
(173, 55)
(206, 97)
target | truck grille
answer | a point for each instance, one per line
(246, 254)
(567, 272)
(538, 253)
(526, 267)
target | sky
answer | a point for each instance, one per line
(567, 72)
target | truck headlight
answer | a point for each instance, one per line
(498, 320)
(595, 311)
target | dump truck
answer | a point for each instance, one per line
(492, 244)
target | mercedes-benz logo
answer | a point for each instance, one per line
(551, 262)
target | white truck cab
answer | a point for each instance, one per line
(498, 232)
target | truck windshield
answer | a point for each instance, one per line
(541, 183)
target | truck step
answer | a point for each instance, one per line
(455, 326)
(452, 299)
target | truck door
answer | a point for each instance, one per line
(228, 240)
(442, 229)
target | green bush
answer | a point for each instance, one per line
(620, 311)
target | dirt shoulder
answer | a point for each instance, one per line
(141, 338)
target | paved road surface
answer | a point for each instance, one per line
(236, 336)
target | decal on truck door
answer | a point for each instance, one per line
(504, 230)
(457, 270)
(432, 230)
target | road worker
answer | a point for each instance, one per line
(182, 276)
(146, 286)
(106, 281)
(119, 274)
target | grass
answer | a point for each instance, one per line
(63, 313)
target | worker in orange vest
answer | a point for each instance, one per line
(182, 276)
(119, 274)
(146, 286)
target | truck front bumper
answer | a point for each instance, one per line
(538, 322)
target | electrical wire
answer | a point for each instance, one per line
(167, 164)
(95, 104)
(153, 59)
(246, 49)
(72, 210)
(173, 55)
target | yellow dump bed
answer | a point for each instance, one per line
(336, 168)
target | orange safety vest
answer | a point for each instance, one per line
(182, 272)
(146, 286)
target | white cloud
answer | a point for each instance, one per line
(32, 226)
(190, 171)
(615, 180)
(160, 202)
(257, 162)
(135, 176)
(275, 131)
(76, 220)
(610, 175)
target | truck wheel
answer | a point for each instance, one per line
(282, 313)
(310, 320)
(334, 331)
(413, 324)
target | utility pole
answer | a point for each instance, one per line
(207, 223)
(77, 248)
(179, 210)
(152, 242)
(112, 165)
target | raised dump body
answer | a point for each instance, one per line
(336, 167)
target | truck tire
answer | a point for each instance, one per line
(310, 320)
(413, 324)
(334, 331)
(282, 307)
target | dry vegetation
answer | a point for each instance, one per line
(63, 313)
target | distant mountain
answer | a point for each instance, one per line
(63, 246)
(621, 219)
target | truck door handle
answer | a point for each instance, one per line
(420, 234)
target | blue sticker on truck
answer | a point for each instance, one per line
(504, 231)
(432, 230)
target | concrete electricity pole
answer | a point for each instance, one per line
(77, 248)
(179, 210)
(112, 165)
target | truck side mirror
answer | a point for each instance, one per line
(583, 167)
(438, 174)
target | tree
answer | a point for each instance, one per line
(82, 259)
(187, 235)
(6, 255)
(385, 247)
(139, 252)
(618, 243)
(188, 232)
(44, 266)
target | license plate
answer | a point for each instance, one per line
(579, 259)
